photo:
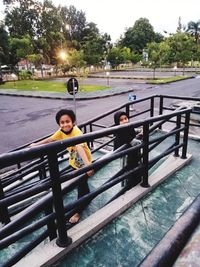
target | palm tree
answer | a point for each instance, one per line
(194, 29)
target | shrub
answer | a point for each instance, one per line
(25, 75)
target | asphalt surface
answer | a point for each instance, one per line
(26, 116)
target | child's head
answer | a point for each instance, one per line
(120, 117)
(65, 118)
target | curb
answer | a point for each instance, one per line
(61, 96)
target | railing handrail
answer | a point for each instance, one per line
(25, 154)
(50, 151)
(90, 121)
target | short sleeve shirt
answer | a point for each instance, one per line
(74, 159)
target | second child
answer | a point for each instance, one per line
(128, 136)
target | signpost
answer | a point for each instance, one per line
(131, 98)
(72, 88)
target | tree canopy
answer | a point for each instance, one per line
(42, 32)
(54, 29)
(138, 36)
(194, 29)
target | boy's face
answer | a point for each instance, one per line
(66, 123)
(123, 119)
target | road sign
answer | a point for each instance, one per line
(131, 97)
(72, 86)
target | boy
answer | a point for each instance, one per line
(126, 136)
(123, 136)
(80, 155)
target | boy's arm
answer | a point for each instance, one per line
(82, 154)
(42, 142)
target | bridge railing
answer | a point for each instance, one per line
(48, 214)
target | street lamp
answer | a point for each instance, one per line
(63, 55)
(175, 69)
(14, 77)
(68, 27)
(107, 75)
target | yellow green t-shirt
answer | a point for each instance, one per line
(74, 159)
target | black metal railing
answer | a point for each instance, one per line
(49, 212)
(43, 162)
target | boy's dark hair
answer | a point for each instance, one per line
(68, 112)
(117, 116)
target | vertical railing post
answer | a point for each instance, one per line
(127, 110)
(152, 108)
(161, 108)
(91, 142)
(85, 129)
(63, 240)
(18, 165)
(185, 135)
(177, 136)
(4, 215)
(51, 226)
(42, 170)
(145, 156)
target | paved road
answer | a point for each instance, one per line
(23, 119)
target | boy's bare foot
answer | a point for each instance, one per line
(75, 218)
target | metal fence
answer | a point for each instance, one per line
(52, 184)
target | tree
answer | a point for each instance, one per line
(118, 55)
(94, 45)
(23, 18)
(182, 46)
(76, 59)
(158, 37)
(137, 37)
(180, 27)
(135, 57)
(4, 47)
(158, 54)
(46, 24)
(49, 20)
(76, 22)
(20, 48)
(197, 54)
(36, 59)
(194, 29)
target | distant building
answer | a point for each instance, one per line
(25, 65)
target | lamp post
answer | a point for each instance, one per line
(14, 78)
(175, 69)
(107, 75)
(68, 28)
(66, 35)
(68, 32)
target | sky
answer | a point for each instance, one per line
(115, 16)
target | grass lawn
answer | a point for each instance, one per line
(31, 85)
(168, 80)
